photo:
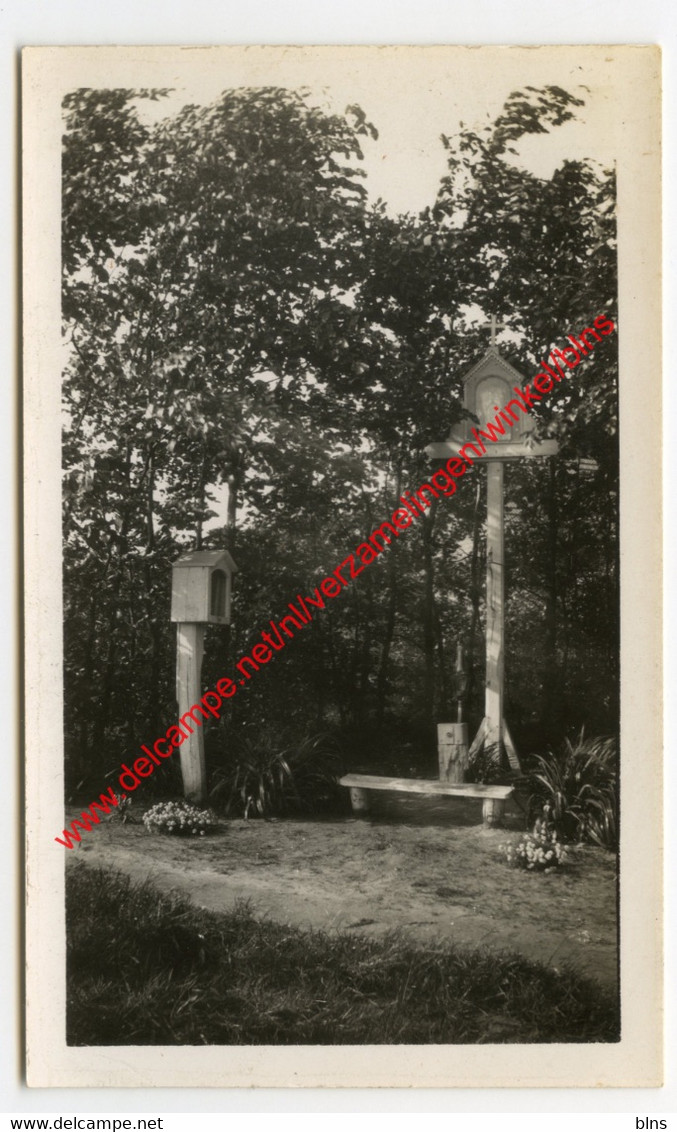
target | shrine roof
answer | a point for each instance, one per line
(491, 361)
(205, 558)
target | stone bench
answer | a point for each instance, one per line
(493, 797)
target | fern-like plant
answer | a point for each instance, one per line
(487, 765)
(269, 776)
(580, 785)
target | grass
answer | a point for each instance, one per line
(146, 969)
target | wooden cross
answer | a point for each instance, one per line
(495, 325)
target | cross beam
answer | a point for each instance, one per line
(495, 325)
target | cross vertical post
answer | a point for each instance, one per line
(490, 383)
(495, 620)
(495, 325)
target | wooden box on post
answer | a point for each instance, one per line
(201, 593)
(202, 583)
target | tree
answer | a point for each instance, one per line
(197, 256)
(541, 255)
(238, 319)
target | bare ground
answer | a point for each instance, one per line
(418, 865)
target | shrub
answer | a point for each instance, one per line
(121, 811)
(269, 776)
(487, 766)
(580, 785)
(178, 818)
(539, 851)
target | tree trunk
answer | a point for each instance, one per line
(476, 573)
(336, 682)
(86, 708)
(391, 613)
(150, 529)
(445, 699)
(552, 690)
(102, 716)
(233, 481)
(429, 613)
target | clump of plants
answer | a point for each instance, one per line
(487, 766)
(180, 819)
(121, 811)
(267, 776)
(579, 784)
(538, 851)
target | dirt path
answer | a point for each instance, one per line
(422, 869)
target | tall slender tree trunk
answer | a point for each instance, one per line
(103, 714)
(86, 709)
(363, 637)
(552, 691)
(233, 482)
(320, 678)
(229, 533)
(475, 681)
(333, 661)
(446, 707)
(391, 614)
(429, 613)
(150, 488)
(152, 618)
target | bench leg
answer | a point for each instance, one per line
(359, 800)
(492, 812)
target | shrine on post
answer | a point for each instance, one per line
(487, 389)
(201, 593)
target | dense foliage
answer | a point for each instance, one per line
(239, 320)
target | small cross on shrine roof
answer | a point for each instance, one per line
(495, 325)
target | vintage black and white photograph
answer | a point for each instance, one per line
(336, 679)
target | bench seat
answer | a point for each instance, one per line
(493, 797)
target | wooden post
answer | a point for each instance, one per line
(452, 751)
(359, 800)
(189, 652)
(493, 731)
(492, 811)
(460, 683)
(493, 700)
